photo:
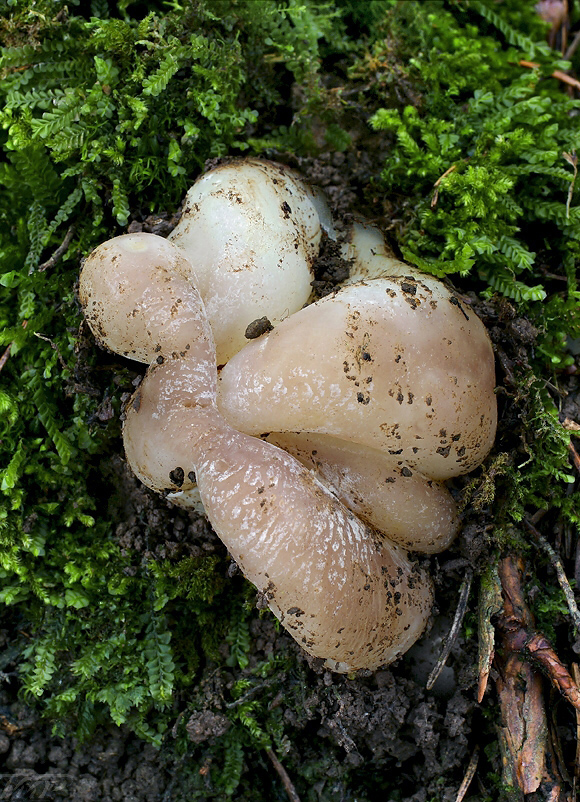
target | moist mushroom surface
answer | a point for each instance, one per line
(321, 453)
(346, 593)
(251, 230)
(396, 364)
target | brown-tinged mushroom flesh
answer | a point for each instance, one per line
(396, 364)
(418, 513)
(343, 591)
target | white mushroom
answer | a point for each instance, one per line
(394, 364)
(251, 230)
(370, 256)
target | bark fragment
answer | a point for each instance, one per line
(529, 763)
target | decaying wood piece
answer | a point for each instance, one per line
(490, 604)
(576, 675)
(516, 626)
(523, 732)
(529, 763)
(286, 781)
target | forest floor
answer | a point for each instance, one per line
(382, 736)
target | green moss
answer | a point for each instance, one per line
(482, 156)
(110, 117)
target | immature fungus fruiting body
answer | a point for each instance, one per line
(393, 394)
(371, 398)
(345, 593)
(251, 230)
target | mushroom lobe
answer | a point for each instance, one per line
(138, 299)
(418, 513)
(342, 590)
(251, 229)
(394, 364)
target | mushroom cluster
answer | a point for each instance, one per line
(320, 450)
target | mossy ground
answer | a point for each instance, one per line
(122, 612)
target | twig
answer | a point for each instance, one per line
(60, 251)
(286, 781)
(572, 47)
(54, 347)
(437, 184)
(454, 631)
(575, 456)
(471, 769)
(559, 568)
(561, 76)
(566, 79)
(572, 160)
(5, 355)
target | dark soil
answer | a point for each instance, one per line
(379, 736)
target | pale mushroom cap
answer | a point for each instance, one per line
(139, 301)
(345, 594)
(251, 230)
(398, 364)
(370, 257)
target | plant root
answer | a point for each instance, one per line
(286, 781)
(454, 631)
